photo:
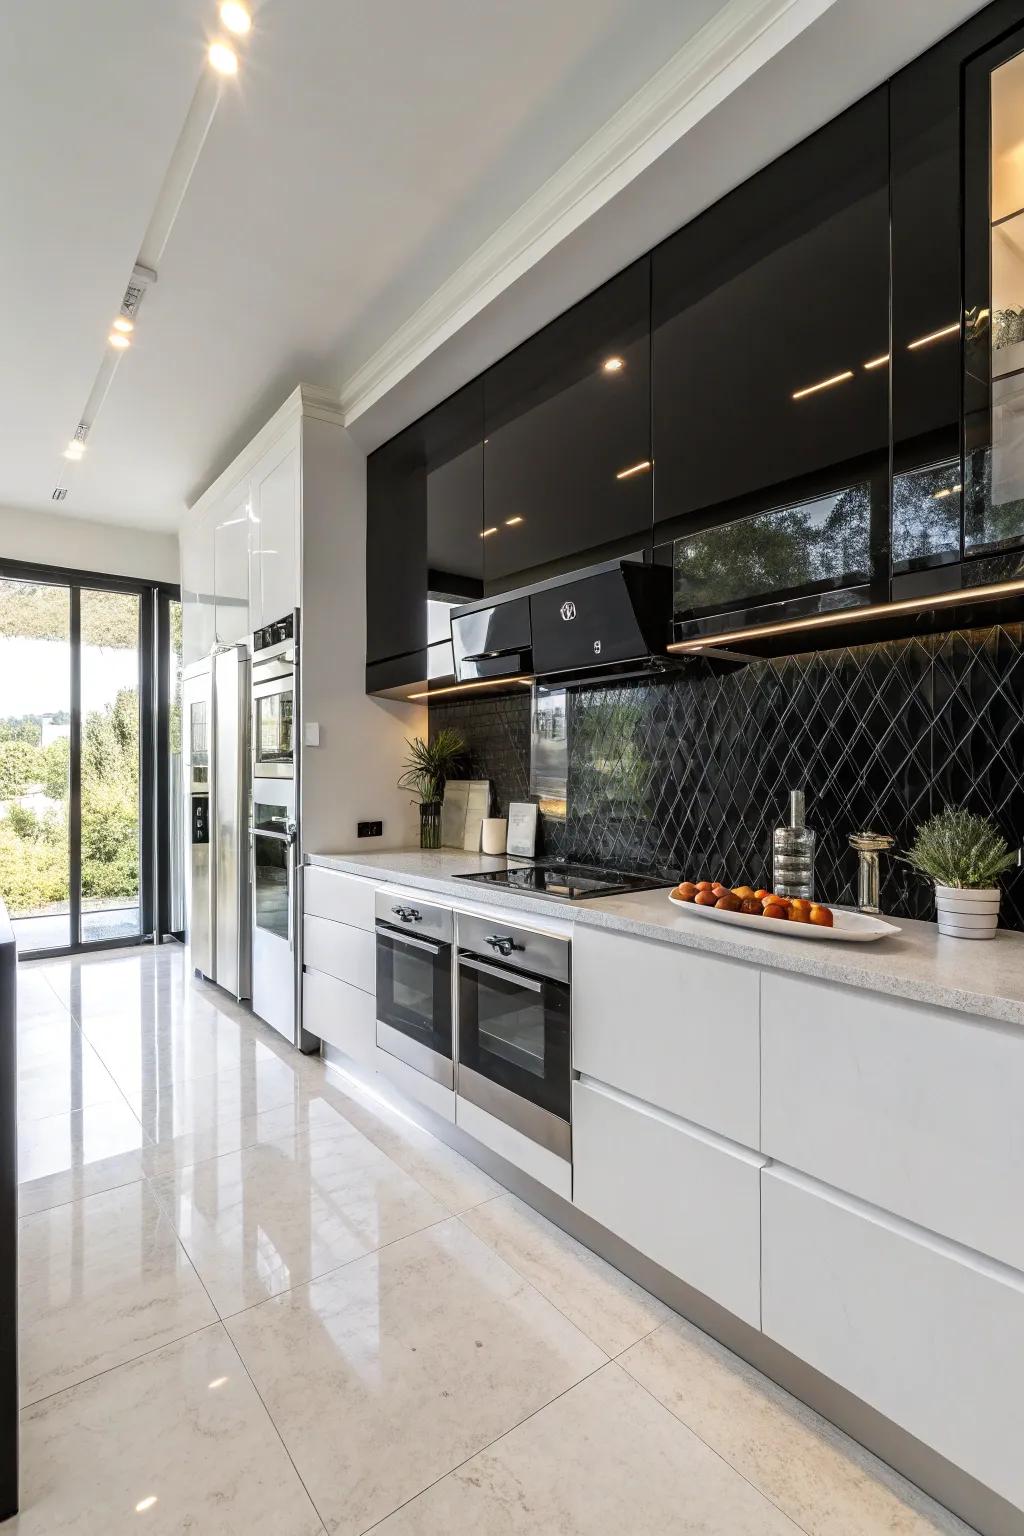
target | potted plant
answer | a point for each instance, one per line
(964, 855)
(427, 766)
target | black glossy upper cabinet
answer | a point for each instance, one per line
(771, 378)
(423, 534)
(567, 454)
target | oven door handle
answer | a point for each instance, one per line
(384, 930)
(526, 982)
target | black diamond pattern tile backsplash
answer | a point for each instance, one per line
(689, 775)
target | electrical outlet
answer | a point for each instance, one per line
(369, 829)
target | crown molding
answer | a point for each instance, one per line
(731, 47)
(305, 400)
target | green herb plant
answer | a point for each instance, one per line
(431, 762)
(957, 848)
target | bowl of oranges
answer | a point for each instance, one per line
(745, 906)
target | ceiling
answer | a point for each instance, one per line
(366, 151)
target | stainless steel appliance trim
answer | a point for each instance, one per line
(275, 837)
(528, 983)
(270, 687)
(421, 1057)
(537, 1124)
(431, 922)
(407, 938)
(540, 954)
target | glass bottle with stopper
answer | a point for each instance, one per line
(793, 852)
(869, 845)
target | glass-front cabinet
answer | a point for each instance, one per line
(993, 522)
(771, 383)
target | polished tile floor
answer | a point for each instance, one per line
(257, 1300)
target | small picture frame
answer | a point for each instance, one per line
(522, 830)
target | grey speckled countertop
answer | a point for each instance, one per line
(985, 978)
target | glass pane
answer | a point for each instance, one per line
(511, 1024)
(999, 508)
(274, 728)
(35, 729)
(110, 765)
(270, 872)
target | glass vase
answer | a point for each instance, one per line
(430, 824)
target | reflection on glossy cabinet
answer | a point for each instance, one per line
(567, 440)
(275, 541)
(231, 567)
(770, 316)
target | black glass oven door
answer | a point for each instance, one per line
(414, 998)
(514, 1032)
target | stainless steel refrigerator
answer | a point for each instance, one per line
(215, 749)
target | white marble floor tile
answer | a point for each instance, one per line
(450, 1177)
(608, 1307)
(61, 1075)
(101, 1280)
(260, 1221)
(172, 1047)
(827, 1483)
(386, 1374)
(604, 1460)
(171, 1107)
(69, 1156)
(176, 1441)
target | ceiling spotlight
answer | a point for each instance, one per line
(122, 323)
(74, 450)
(119, 340)
(235, 17)
(223, 58)
(613, 364)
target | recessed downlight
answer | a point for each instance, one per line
(236, 17)
(613, 364)
(223, 58)
(119, 340)
(122, 323)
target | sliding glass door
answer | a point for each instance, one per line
(85, 726)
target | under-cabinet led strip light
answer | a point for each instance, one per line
(843, 615)
(486, 682)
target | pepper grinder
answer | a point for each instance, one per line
(869, 845)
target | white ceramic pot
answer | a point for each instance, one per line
(967, 914)
(493, 834)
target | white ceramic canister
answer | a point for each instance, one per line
(967, 914)
(495, 830)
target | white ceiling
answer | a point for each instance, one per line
(367, 150)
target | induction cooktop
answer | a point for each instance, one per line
(566, 882)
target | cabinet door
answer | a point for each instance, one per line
(231, 567)
(994, 306)
(567, 441)
(275, 493)
(424, 524)
(197, 588)
(771, 377)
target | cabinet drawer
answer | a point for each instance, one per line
(342, 898)
(343, 952)
(913, 1326)
(684, 1199)
(341, 1015)
(915, 1109)
(670, 1026)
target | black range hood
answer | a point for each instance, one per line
(613, 620)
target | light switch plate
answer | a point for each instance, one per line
(311, 733)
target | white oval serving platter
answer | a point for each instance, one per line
(847, 928)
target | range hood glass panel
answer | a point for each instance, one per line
(495, 641)
(602, 620)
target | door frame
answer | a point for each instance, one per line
(154, 744)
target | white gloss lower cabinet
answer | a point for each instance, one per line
(342, 1015)
(670, 1026)
(684, 1198)
(342, 898)
(925, 1332)
(346, 953)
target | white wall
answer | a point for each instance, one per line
(48, 538)
(351, 776)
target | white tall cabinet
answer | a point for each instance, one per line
(284, 527)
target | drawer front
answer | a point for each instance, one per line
(914, 1109)
(341, 1015)
(905, 1321)
(346, 953)
(691, 1205)
(670, 1026)
(342, 898)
